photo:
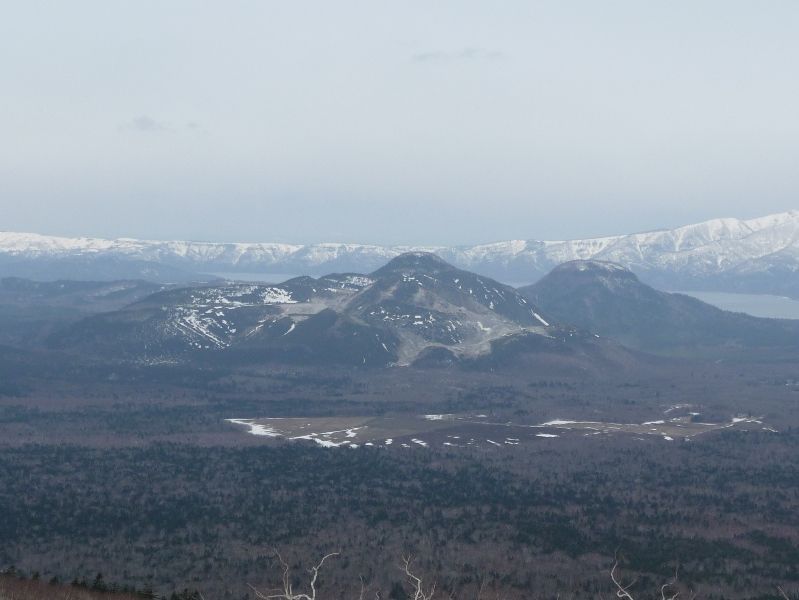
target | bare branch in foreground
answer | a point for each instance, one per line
(287, 593)
(418, 592)
(669, 584)
(622, 591)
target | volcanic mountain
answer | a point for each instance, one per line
(610, 300)
(415, 305)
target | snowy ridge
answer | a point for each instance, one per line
(711, 248)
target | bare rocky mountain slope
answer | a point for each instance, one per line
(414, 305)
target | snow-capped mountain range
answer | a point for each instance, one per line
(754, 255)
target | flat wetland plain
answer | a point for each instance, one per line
(455, 430)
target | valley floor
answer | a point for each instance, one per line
(152, 486)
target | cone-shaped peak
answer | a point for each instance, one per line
(415, 262)
(586, 270)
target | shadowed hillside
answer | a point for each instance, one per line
(611, 301)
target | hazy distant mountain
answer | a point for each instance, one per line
(610, 300)
(29, 310)
(395, 315)
(81, 296)
(90, 266)
(756, 255)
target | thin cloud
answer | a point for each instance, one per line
(147, 124)
(466, 54)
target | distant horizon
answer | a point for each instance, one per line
(408, 245)
(457, 122)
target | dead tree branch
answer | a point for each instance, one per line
(418, 592)
(287, 593)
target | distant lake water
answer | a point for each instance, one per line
(757, 305)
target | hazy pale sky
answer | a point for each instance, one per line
(394, 122)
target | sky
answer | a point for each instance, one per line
(447, 122)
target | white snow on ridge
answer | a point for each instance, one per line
(541, 319)
(358, 281)
(714, 246)
(275, 295)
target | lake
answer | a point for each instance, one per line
(758, 305)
